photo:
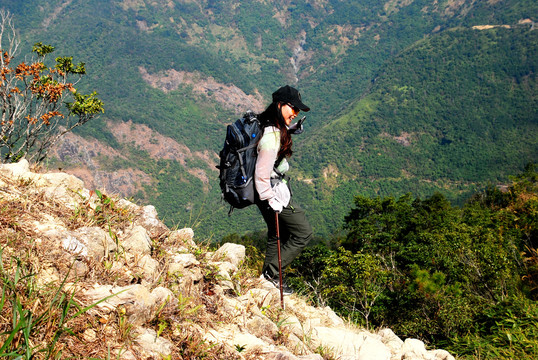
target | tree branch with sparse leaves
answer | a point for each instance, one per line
(38, 104)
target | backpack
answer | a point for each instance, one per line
(238, 161)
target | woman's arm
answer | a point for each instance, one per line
(267, 155)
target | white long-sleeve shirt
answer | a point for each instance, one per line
(268, 148)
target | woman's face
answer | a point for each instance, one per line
(289, 112)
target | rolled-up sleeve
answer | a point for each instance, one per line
(267, 154)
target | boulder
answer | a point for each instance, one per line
(16, 170)
(224, 274)
(88, 242)
(182, 237)
(136, 241)
(261, 298)
(441, 354)
(373, 349)
(348, 343)
(393, 342)
(414, 349)
(62, 180)
(286, 355)
(331, 317)
(296, 344)
(179, 262)
(148, 219)
(138, 302)
(148, 267)
(164, 295)
(250, 342)
(152, 346)
(234, 307)
(261, 326)
(293, 326)
(230, 252)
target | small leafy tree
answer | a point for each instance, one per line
(353, 282)
(38, 104)
(306, 272)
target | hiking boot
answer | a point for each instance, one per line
(275, 280)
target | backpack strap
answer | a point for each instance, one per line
(241, 163)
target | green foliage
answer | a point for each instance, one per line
(461, 278)
(352, 283)
(42, 49)
(437, 253)
(85, 105)
(508, 330)
(421, 126)
(377, 223)
(33, 98)
(65, 64)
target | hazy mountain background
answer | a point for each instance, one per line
(406, 96)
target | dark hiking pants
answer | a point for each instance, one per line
(295, 233)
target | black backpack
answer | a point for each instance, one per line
(238, 161)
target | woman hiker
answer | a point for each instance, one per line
(271, 184)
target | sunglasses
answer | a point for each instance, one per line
(294, 108)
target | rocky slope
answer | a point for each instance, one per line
(144, 291)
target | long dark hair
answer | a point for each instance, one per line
(272, 116)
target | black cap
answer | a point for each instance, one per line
(287, 94)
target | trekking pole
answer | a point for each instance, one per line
(279, 260)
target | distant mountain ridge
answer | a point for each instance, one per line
(351, 60)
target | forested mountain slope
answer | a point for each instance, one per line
(176, 72)
(453, 111)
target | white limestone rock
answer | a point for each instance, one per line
(286, 355)
(179, 262)
(19, 169)
(62, 180)
(88, 242)
(441, 354)
(224, 274)
(136, 241)
(148, 267)
(151, 345)
(149, 220)
(393, 342)
(164, 296)
(230, 252)
(182, 236)
(348, 343)
(138, 302)
(414, 348)
(261, 327)
(373, 349)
